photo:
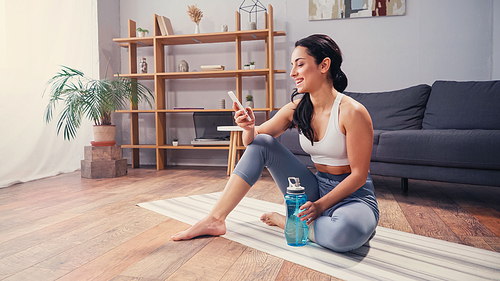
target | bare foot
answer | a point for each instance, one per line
(206, 226)
(274, 219)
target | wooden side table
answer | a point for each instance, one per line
(235, 146)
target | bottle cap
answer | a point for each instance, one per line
(294, 187)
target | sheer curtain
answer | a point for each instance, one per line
(36, 37)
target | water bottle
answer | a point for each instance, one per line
(296, 231)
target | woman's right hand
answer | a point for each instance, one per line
(240, 117)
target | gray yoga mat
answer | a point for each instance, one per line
(390, 255)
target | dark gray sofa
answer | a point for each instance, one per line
(448, 132)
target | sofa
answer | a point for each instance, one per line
(448, 132)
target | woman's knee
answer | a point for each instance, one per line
(340, 235)
(264, 140)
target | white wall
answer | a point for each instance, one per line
(496, 41)
(446, 39)
(36, 37)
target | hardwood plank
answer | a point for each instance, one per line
(167, 259)
(291, 271)
(34, 273)
(95, 247)
(420, 215)
(212, 262)
(128, 278)
(115, 261)
(467, 228)
(390, 213)
(493, 242)
(469, 201)
(254, 265)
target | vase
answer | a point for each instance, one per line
(197, 29)
(104, 135)
(175, 143)
(252, 66)
(249, 103)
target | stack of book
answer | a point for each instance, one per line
(212, 67)
(164, 25)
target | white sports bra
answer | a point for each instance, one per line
(332, 149)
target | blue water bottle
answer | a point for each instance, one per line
(296, 231)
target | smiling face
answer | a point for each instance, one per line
(308, 75)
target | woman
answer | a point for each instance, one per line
(342, 211)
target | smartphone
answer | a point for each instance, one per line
(240, 106)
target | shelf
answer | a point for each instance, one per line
(216, 37)
(202, 74)
(160, 78)
(138, 146)
(186, 110)
(213, 147)
(136, 111)
(142, 76)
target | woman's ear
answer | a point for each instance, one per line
(325, 65)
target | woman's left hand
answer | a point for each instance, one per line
(310, 212)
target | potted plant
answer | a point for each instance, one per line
(252, 65)
(246, 66)
(249, 102)
(142, 32)
(175, 142)
(92, 99)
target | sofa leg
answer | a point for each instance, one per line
(404, 184)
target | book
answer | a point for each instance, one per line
(159, 21)
(188, 108)
(165, 25)
(168, 26)
(212, 67)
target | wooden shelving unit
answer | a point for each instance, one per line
(158, 43)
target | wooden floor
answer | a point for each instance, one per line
(69, 228)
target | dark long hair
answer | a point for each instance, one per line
(318, 46)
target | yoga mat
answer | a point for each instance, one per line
(390, 255)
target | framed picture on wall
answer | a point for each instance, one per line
(342, 9)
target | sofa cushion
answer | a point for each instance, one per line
(395, 110)
(463, 105)
(479, 149)
(376, 137)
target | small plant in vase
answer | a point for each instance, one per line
(249, 102)
(246, 66)
(195, 14)
(142, 32)
(252, 65)
(175, 142)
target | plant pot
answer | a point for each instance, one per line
(175, 143)
(252, 66)
(246, 67)
(104, 133)
(249, 103)
(142, 34)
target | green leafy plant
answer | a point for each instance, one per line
(249, 98)
(142, 30)
(90, 98)
(252, 63)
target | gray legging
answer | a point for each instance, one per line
(345, 226)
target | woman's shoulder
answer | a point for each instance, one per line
(351, 108)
